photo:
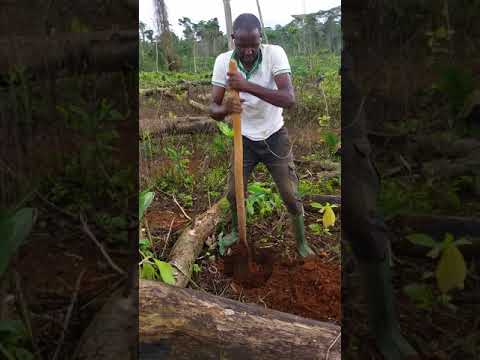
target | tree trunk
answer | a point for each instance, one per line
(228, 21)
(156, 54)
(194, 57)
(180, 323)
(261, 21)
(190, 243)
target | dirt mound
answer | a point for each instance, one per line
(309, 287)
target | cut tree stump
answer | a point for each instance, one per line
(190, 243)
(181, 324)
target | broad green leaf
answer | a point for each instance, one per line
(316, 205)
(166, 272)
(451, 269)
(148, 271)
(14, 230)
(145, 199)
(422, 239)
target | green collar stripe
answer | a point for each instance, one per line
(255, 66)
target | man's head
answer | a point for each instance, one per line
(247, 36)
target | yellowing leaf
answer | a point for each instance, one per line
(328, 217)
(451, 270)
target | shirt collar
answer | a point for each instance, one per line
(255, 66)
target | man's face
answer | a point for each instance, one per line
(247, 44)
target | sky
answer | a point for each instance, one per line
(197, 10)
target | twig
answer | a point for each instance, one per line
(168, 237)
(26, 315)
(331, 345)
(183, 211)
(69, 315)
(87, 231)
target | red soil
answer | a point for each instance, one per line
(309, 287)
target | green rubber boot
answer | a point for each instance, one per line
(228, 240)
(302, 245)
(384, 326)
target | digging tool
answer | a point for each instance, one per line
(238, 172)
(247, 270)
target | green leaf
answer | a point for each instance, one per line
(23, 354)
(225, 129)
(420, 294)
(166, 272)
(11, 327)
(447, 240)
(316, 205)
(148, 271)
(434, 252)
(451, 270)
(145, 199)
(250, 209)
(14, 230)
(422, 240)
(196, 268)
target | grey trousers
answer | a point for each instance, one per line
(275, 152)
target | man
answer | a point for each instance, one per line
(265, 87)
(362, 227)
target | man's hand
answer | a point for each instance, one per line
(233, 105)
(237, 82)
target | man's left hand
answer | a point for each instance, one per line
(237, 82)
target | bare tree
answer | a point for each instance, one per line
(228, 20)
(261, 21)
(164, 34)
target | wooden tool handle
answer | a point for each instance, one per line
(238, 166)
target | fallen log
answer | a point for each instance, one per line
(198, 106)
(177, 323)
(190, 243)
(69, 53)
(445, 168)
(111, 335)
(320, 164)
(437, 226)
(332, 199)
(188, 125)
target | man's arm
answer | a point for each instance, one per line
(283, 97)
(219, 108)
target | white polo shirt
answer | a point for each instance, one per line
(260, 119)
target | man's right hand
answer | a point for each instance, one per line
(233, 105)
